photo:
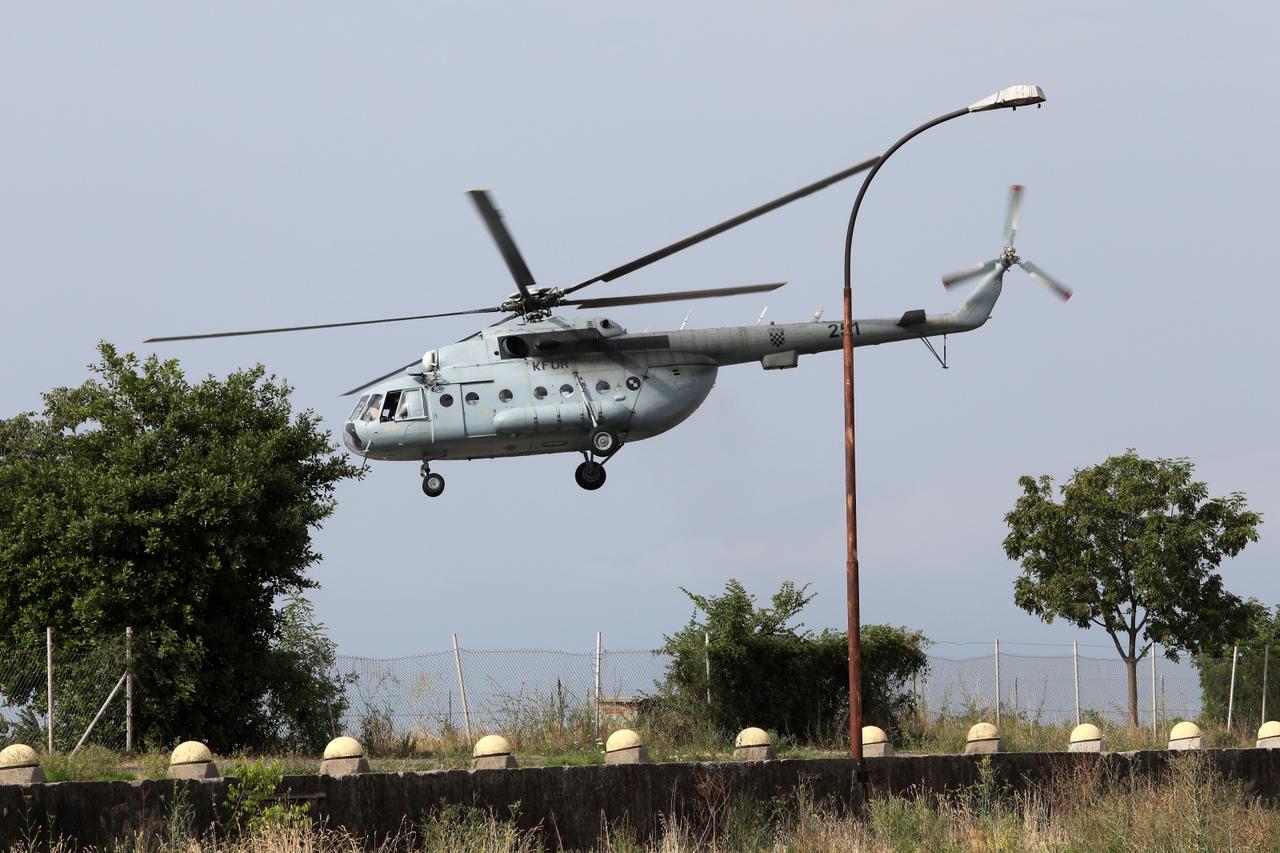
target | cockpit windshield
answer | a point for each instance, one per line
(373, 409)
(359, 409)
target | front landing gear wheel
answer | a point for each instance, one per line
(432, 485)
(590, 475)
(604, 442)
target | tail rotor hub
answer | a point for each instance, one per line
(1008, 258)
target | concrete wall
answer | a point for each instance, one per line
(570, 803)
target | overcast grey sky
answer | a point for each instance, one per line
(176, 168)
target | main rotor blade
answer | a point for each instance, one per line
(317, 326)
(952, 279)
(506, 245)
(1012, 213)
(359, 388)
(1045, 279)
(679, 245)
(645, 298)
(415, 361)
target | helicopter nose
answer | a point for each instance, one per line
(352, 439)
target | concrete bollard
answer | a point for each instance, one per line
(753, 744)
(344, 756)
(492, 752)
(625, 747)
(19, 765)
(1185, 735)
(875, 743)
(192, 760)
(1269, 735)
(1086, 737)
(983, 738)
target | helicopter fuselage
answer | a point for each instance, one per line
(531, 388)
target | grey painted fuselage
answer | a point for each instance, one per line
(526, 388)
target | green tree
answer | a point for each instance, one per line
(308, 696)
(184, 510)
(1133, 548)
(767, 670)
(1258, 652)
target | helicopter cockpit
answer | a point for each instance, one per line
(401, 404)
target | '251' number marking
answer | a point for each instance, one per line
(837, 329)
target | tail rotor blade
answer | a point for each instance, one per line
(952, 279)
(1012, 214)
(1045, 279)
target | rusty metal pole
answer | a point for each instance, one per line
(1012, 97)
(850, 478)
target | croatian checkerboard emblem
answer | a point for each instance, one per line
(777, 337)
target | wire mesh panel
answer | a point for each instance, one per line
(23, 702)
(517, 688)
(88, 691)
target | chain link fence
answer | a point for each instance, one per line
(479, 690)
(472, 691)
(87, 679)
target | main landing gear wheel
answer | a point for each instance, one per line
(604, 442)
(432, 484)
(590, 475)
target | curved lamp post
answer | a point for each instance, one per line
(1011, 98)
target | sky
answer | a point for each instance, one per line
(174, 168)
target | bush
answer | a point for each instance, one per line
(768, 671)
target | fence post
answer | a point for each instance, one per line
(462, 689)
(1266, 653)
(1075, 665)
(48, 661)
(1231, 692)
(997, 682)
(128, 689)
(706, 645)
(1153, 689)
(599, 645)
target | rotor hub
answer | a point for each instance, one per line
(1008, 257)
(536, 305)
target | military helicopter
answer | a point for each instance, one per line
(536, 383)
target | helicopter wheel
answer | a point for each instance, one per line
(590, 475)
(432, 485)
(604, 442)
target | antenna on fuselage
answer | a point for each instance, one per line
(685, 322)
(817, 315)
(760, 319)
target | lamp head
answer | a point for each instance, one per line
(1013, 97)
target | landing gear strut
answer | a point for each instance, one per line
(432, 483)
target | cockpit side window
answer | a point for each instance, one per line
(373, 409)
(410, 405)
(359, 409)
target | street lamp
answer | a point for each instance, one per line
(1011, 98)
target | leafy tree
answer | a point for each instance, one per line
(1134, 548)
(184, 510)
(1254, 656)
(768, 671)
(307, 697)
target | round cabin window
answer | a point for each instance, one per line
(504, 395)
(540, 392)
(602, 386)
(446, 400)
(566, 391)
(472, 398)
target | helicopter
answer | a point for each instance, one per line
(536, 382)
